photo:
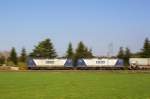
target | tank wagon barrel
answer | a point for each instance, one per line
(49, 63)
(139, 63)
(100, 64)
(95, 62)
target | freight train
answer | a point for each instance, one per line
(94, 63)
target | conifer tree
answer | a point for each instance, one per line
(69, 52)
(146, 49)
(13, 56)
(23, 56)
(121, 53)
(44, 49)
(82, 52)
(127, 55)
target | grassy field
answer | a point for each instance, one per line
(74, 85)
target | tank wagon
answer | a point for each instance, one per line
(49, 64)
(139, 63)
(103, 63)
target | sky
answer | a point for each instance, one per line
(98, 23)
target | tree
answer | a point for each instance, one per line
(121, 53)
(69, 52)
(88, 53)
(136, 55)
(4, 56)
(127, 55)
(13, 56)
(2, 60)
(146, 49)
(23, 56)
(44, 49)
(82, 52)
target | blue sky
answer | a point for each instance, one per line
(23, 23)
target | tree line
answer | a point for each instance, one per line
(11, 58)
(45, 49)
(125, 54)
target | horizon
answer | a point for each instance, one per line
(97, 23)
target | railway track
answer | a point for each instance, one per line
(85, 68)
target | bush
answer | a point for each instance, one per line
(10, 63)
(22, 66)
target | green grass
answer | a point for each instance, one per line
(74, 85)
